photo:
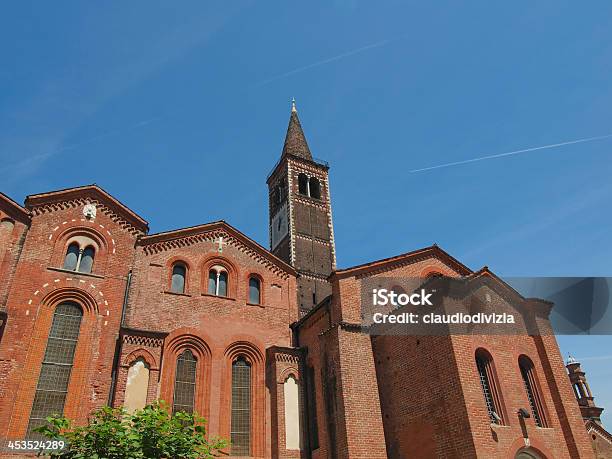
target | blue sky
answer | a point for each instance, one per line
(180, 112)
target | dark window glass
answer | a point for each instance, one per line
(87, 259)
(185, 382)
(56, 367)
(222, 283)
(178, 279)
(72, 257)
(212, 282)
(254, 291)
(484, 371)
(315, 188)
(527, 372)
(303, 184)
(241, 408)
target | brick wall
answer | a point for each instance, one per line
(39, 284)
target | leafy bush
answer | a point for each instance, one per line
(150, 433)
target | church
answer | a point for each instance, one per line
(266, 343)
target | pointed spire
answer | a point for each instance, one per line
(295, 141)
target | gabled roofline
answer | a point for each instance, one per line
(35, 200)
(13, 209)
(206, 227)
(589, 423)
(433, 250)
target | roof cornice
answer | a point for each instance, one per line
(194, 231)
(38, 203)
(14, 210)
(391, 262)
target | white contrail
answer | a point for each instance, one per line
(515, 152)
(325, 61)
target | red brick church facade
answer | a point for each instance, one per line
(266, 344)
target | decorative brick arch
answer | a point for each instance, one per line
(177, 342)
(252, 353)
(245, 280)
(78, 386)
(143, 354)
(71, 233)
(535, 445)
(169, 266)
(232, 274)
(431, 271)
(290, 372)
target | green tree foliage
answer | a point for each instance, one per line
(150, 433)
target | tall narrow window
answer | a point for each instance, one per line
(185, 382)
(87, 259)
(179, 273)
(241, 408)
(488, 382)
(254, 290)
(72, 257)
(314, 188)
(303, 184)
(56, 367)
(531, 387)
(222, 285)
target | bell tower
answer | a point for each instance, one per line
(582, 391)
(301, 230)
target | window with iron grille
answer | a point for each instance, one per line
(527, 372)
(490, 387)
(241, 408)
(57, 364)
(185, 382)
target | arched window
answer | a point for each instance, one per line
(254, 290)
(315, 188)
(56, 366)
(80, 260)
(531, 387)
(87, 259)
(488, 382)
(240, 431)
(217, 281)
(185, 382)
(72, 256)
(303, 184)
(179, 273)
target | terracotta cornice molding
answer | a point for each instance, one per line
(74, 197)
(210, 231)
